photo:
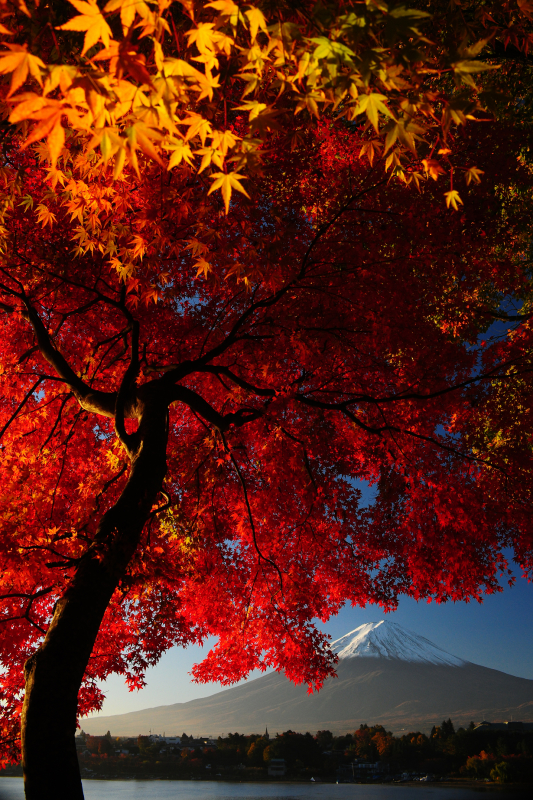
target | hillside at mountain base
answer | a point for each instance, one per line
(386, 675)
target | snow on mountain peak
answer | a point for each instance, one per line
(389, 640)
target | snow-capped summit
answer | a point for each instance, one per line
(389, 640)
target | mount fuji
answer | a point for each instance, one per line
(385, 675)
(389, 640)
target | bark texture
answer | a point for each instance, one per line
(55, 671)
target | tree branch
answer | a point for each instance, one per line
(20, 406)
(89, 399)
(262, 557)
(249, 387)
(28, 595)
(58, 418)
(174, 374)
(223, 422)
(129, 440)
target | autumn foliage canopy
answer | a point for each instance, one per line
(254, 258)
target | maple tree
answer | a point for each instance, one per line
(224, 304)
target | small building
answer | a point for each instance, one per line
(277, 768)
(359, 770)
(201, 742)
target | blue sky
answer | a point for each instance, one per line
(496, 634)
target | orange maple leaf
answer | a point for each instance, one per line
(20, 62)
(92, 21)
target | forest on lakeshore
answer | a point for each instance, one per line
(370, 754)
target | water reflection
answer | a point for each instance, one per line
(12, 789)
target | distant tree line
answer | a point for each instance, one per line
(466, 753)
(502, 756)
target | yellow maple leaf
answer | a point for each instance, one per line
(472, 174)
(227, 8)
(203, 267)
(253, 107)
(372, 104)
(20, 63)
(92, 21)
(204, 37)
(181, 151)
(27, 104)
(226, 183)
(206, 84)
(452, 199)
(209, 155)
(256, 20)
(198, 126)
(224, 140)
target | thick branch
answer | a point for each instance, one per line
(89, 399)
(130, 441)
(204, 409)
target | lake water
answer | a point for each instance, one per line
(12, 789)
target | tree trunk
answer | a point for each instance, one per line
(55, 671)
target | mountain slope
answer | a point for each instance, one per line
(386, 675)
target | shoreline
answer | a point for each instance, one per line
(448, 784)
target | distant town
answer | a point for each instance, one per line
(486, 752)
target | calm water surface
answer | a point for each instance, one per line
(12, 789)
